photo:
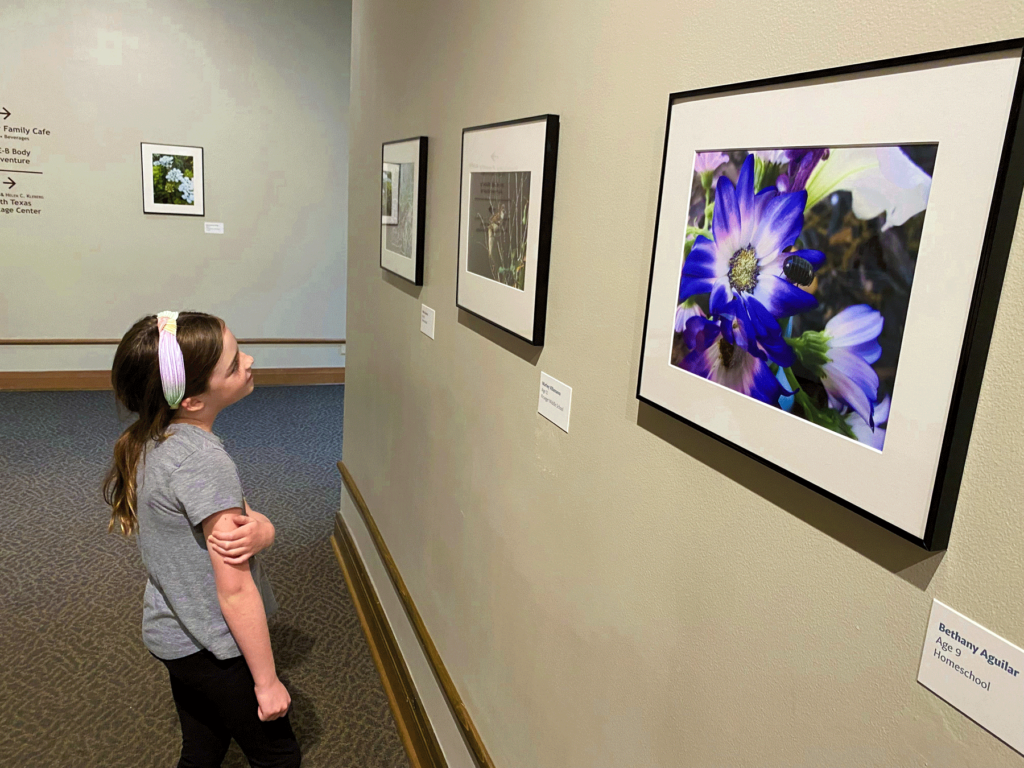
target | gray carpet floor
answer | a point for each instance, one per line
(77, 687)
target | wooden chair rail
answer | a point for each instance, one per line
(115, 342)
(77, 381)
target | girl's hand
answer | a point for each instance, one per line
(273, 701)
(252, 534)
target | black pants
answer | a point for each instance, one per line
(216, 700)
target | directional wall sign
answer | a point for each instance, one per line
(21, 173)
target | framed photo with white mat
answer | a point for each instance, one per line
(172, 180)
(402, 226)
(825, 277)
(505, 211)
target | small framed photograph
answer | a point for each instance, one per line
(172, 180)
(404, 197)
(389, 194)
(825, 277)
(505, 211)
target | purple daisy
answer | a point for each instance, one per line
(847, 375)
(875, 437)
(706, 162)
(742, 266)
(801, 163)
(720, 355)
(684, 312)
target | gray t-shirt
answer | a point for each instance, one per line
(180, 482)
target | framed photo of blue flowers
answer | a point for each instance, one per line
(828, 256)
(172, 180)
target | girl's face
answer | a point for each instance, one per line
(232, 378)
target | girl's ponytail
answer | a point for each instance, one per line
(138, 388)
(119, 490)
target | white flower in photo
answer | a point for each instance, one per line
(187, 189)
(775, 156)
(881, 179)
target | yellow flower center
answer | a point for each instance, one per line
(744, 269)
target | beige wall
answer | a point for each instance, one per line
(634, 593)
(262, 86)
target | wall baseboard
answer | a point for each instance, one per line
(414, 728)
(66, 381)
(466, 725)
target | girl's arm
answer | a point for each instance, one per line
(242, 606)
(254, 533)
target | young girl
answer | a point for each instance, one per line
(207, 599)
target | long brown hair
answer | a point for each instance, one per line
(137, 387)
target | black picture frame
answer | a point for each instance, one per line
(995, 250)
(149, 207)
(415, 276)
(547, 204)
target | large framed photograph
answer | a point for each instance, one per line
(507, 200)
(825, 276)
(172, 180)
(404, 207)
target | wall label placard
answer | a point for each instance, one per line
(976, 671)
(555, 401)
(427, 320)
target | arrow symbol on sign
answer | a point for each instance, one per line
(9, 183)
(6, 113)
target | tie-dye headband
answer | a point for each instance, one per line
(172, 364)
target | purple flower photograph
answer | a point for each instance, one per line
(796, 276)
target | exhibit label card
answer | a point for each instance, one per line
(976, 671)
(213, 227)
(555, 400)
(427, 320)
